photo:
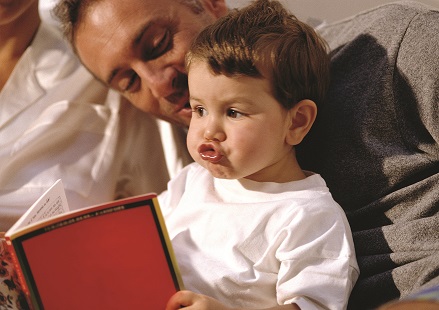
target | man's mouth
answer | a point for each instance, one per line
(187, 106)
(185, 111)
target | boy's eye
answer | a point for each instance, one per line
(200, 111)
(234, 114)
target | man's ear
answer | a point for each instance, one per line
(216, 7)
(302, 117)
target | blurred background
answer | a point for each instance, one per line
(307, 10)
(329, 10)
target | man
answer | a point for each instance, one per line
(143, 56)
(376, 141)
(58, 122)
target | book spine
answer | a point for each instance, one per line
(24, 298)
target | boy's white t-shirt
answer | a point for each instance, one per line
(251, 244)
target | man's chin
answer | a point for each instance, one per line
(185, 116)
(181, 120)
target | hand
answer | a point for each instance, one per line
(192, 301)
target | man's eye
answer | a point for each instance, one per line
(128, 82)
(161, 46)
(200, 111)
(234, 114)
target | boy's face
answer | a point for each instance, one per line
(238, 129)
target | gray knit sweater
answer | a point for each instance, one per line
(376, 143)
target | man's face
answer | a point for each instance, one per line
(137, 47)
(12, 10)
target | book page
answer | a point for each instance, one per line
(51, 203)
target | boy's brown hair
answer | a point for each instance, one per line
(264, 40)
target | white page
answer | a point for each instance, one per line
(51, 203)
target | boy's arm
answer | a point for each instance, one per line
(193, 301)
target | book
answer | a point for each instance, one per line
(115, 255)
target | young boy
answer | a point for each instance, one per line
(250, 228)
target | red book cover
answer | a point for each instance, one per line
(112, 256)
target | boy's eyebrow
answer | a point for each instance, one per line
(136, 41)
(192, 98)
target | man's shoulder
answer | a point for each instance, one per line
(384, 21)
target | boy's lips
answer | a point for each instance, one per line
(209, 153)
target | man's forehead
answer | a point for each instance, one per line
(113, 24)
(114, 11)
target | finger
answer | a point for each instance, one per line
(180, 300)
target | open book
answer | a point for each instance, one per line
(112, 256)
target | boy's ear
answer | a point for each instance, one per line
(302, 117)
(216, 7)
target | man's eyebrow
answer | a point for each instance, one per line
(135, 43)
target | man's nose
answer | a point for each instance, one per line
(161, 81)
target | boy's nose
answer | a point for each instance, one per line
(214, 132)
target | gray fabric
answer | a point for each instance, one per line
(376, 143)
